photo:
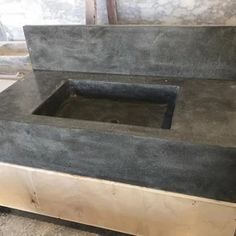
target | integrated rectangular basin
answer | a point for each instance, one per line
(120, 103)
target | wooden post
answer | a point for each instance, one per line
(91, 12)
(112, 12)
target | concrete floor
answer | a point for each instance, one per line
(14, 225)
(17, 223)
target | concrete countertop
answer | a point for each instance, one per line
(205, 110)
(196, 156)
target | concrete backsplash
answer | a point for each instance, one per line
(196, 52)
(16, 13)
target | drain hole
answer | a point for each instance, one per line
(115, 121)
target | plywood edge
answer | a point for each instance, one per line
(118, 184)
(117, 206)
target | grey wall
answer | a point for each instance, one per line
(16, 13)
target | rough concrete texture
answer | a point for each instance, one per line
(190, 52)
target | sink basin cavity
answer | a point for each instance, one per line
(120, 103)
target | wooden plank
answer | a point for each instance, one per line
(111, 205)
(91, 12)
(112, 12)
(14, 77)
(13, 48)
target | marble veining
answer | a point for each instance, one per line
(177, 12)
(16, 13)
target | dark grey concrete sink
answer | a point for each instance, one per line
(118, 85)
(121, 103)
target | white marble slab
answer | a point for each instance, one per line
(4, 84)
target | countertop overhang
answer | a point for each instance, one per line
(195, 157)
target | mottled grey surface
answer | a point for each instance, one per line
(195, 52)
(200, 170)
(180, 160)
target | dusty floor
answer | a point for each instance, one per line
(17, 223)
(13, 225)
